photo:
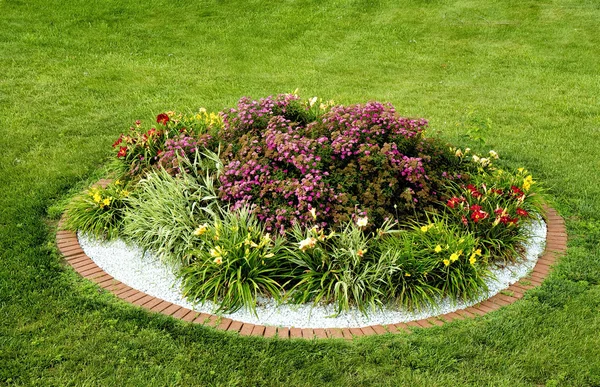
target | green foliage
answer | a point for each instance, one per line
(435, 260)
(338, 268)
(234, 262)
(412, 268)
(99, 211)
(165, 210)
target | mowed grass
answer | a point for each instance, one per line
(74, 74)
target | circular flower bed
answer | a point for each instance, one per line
(308, 201)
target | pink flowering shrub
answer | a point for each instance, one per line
(286, 163)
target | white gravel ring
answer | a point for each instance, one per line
(146, 273)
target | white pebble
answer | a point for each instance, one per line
(146, 273)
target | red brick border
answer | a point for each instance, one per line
(556, 245)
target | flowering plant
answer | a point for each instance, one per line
(284, 165)
(175, 136)
(495, 206)
(305, 200)
(99, 211)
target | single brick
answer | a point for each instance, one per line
(91, 271)
(67, 243)
(71, 250)
(202, 318)
(100, 278)
(116, 287)
(270, 332)
(107, 283)
(320, 333)
(490, 304)
(246, 329)
(190, 316)
(379, 329)
(76, 259)
(283, 332)
(181, 313)
(171, 310)
(435, 321)
(152, 303)
(161, 306)
(83, 265)
(475, 311)
(134, 297)
(295, 333)
(355, 332)
(308, 333)
(368, 331)
(484, 308)
(235, 326)
(423, 323)
(224, 323)
(451, 316)
(259, 330)
(398, 327)
(504, 297)
(143, 300)
(347, 334)
(499, 301)
(129, 292)
(334, 333)
(465, 313)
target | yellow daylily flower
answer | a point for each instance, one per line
(201, 229)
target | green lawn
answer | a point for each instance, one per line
(74, 74)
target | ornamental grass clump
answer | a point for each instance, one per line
(307, 201)
(164, 210)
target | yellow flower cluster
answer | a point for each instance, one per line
(209, 119)
(474, 254)
(527, 182)
(218, 254)
(98, 199)
(427, 228)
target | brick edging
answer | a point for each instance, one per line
(556, 245)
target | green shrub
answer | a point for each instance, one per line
(235, 262)
(99, 211)
(432, 261)
(338, 268)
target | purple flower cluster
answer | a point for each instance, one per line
(178, 147)
(285, 165)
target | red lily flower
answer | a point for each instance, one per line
(162, 119)
(122, 151)
(478, 215)
(522, 212)
(119, 140)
